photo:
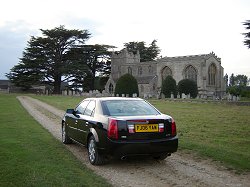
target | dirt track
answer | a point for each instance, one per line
(176, 170)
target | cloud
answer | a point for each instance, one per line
(13, 37)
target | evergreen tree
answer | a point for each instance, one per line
(146, 53)
(126, 84)
(232, 80)
(97, 58)
(169, 86)
(247, 34)
(51, 59)
(188, 86)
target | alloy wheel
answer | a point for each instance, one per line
(92, 151)
(63, 133)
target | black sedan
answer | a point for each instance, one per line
(119, 127)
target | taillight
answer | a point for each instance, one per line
(131, 128)
(113, 129)
(173, 127)
(161, 127)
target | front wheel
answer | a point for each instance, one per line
(65, 137)
(94, 157)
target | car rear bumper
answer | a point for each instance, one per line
(140, 147)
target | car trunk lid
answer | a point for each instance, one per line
(144, 127)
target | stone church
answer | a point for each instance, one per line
(205, 70)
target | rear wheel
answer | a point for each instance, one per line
(94, 157)
(65, 137)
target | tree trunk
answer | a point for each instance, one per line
(57, 85)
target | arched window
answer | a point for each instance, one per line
(139, 70)
(111, 88)
(142, 88)
(130, 70)
(154, 86)
(212, 75)
(149, 69)
(166, 71)
(190, 73)
(119, 69)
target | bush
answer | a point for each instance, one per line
(237, 90)
(126, 84)
(169, 86)
(188, 86)
(245, 93)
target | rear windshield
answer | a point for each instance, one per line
(128, 108)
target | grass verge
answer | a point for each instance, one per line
(218, 131)
(31, 156)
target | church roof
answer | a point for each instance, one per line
(191, 57)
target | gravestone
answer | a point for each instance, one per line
(172, 96)
(178, 96)
(238, 98)
(135, 95)
(234, 98)
(162, 96)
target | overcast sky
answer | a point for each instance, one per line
(181, 27)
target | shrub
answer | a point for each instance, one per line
(169, 86)
(126, 84)
(188, 86)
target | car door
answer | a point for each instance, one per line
(84, 123)
(77, 121)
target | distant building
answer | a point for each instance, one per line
(205, 70)
(7, 87)
(4, 85)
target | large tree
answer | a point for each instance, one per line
(97, 58)
(146, 53)
(238, 80)
(247, 34)
(51, 59)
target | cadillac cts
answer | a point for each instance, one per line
(119, 127)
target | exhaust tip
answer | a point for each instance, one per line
(123, 158)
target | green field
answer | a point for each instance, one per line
(31, 156)
(218, 131)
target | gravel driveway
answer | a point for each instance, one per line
(177, 170)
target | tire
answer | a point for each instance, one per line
(160, 157)
(94, 157)
(65, 137)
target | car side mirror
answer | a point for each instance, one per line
(70, 111)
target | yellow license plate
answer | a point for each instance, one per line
(147, 128)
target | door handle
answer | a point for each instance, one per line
(87, 123)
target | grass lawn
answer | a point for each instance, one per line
(31, 156)
(218, 131)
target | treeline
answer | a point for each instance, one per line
(62, 55)
(237, 85)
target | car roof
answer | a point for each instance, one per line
(113, 98)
